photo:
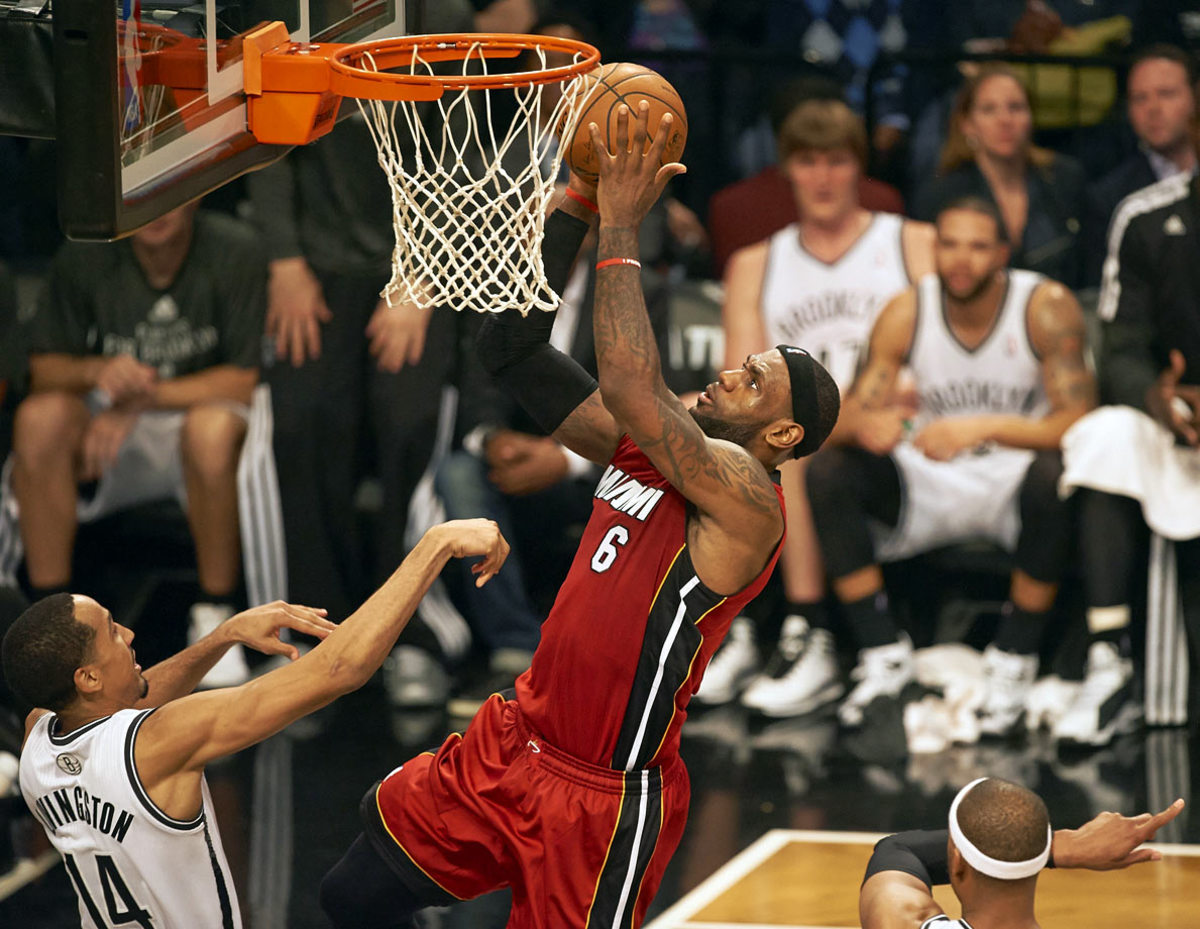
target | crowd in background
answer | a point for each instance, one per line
(380, 417)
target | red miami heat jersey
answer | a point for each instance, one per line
(632, 629)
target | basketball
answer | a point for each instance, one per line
(605, 89)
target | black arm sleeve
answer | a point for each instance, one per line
(919, 852)
(516, 350)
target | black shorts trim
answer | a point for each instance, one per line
(394, 856)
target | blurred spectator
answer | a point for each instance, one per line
(750, 210)
(1162, 106)
(997, 356)
(990, 154)
(1144, 451)
(539, 492)
(144, 356)
(819, 283)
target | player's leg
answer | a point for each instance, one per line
(210, 442)
(848, 489)
(362, 892)
(802, 673)
(1043, 547)
(48, 434)
(1112, 539)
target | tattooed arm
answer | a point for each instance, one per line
(738, 515)
(869, 418)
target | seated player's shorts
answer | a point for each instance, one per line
(580, 845)
(975, 495)
(148, 467)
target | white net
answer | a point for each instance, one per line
(470, 189)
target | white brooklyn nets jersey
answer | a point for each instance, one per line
(130, 863)
(829, 309)
(974, 495)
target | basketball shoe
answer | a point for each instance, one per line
(413, 677)
(732, 667)
(1105, 705)
(232, 669)
(800, 676)
(1009, 677)
(882, 671)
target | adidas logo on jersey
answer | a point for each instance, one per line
(626, 494)
(1174, 225)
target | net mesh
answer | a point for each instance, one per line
(470, 188)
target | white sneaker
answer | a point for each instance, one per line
(1009, 677)
(801, 675)
(231, 670)
(414, 677)
(732, 667)
(882, 672)
(1104, 706)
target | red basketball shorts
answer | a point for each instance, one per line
(580, 845)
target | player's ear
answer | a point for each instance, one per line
(956, 865)
(87, 679)
(784, 434)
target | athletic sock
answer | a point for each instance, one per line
(871, 620)
(1110, 624)
(1020, 630)
(815, 613)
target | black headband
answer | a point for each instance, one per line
(805, 411)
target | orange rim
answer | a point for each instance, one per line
(350, 79)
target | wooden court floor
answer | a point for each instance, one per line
(792, 879)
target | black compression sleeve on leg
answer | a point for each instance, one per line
(919, 852)
(516, 350)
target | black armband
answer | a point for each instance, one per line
(919, 852)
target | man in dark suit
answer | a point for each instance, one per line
(1161, 92)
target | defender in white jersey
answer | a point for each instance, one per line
(998, 841)
(113, 760)
(821, 283)
(997, 360)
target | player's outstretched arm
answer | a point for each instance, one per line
(1110, 840)
(178, 740)
(896, 889)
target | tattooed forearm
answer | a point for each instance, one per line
(625, 344)
(1059, 335)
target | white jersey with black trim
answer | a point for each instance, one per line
(130, 863)
(829, 308)
(942, 921)
(1000, 375)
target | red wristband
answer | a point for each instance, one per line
(612, 262)
(580, 198)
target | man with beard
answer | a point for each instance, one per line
(997, 357)
(573, 792)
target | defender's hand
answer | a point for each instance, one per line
(468, 538)
(295, 310)
(1111, 841)
(259, 627)
(632, 178)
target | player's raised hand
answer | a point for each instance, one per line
(632, 177)
(1111, 841)
(468, 538)
(259, 627)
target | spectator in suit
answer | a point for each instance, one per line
(990, 154)
(1161, 92)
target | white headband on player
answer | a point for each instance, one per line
(985, 864)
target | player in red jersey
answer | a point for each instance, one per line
(573, 793)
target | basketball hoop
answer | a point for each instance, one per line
(468, 201)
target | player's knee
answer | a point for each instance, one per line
(1040, 486)
(212, 440)
(48, 425)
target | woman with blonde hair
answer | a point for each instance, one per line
(989, 153)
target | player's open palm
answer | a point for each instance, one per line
(632, 177)
(1111, 841)
(259, 627)
(470, 538)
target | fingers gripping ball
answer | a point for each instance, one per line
(603, 91)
